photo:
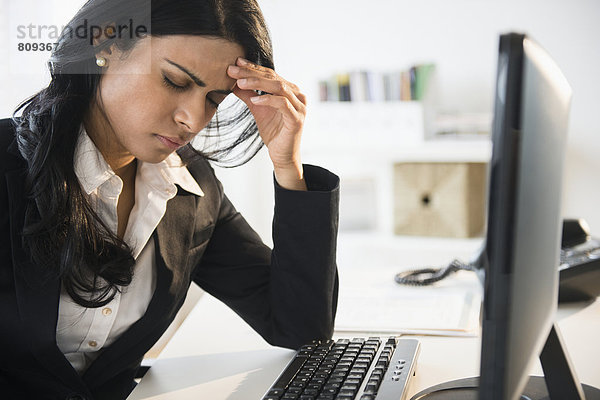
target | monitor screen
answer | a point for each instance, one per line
(521, 256)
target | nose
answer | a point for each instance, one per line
(190, 117)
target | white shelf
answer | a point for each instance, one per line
(381, 132)
(364, 122)
(345, 154)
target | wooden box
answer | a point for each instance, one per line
(444, 199)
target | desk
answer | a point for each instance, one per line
(216, 356)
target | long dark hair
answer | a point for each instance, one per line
(62, 232)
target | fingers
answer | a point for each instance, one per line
(279, 102)
(257, 78)
(273, 87)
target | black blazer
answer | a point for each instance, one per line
(288, 294)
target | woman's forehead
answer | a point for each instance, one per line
(200, 57)
(195, 48)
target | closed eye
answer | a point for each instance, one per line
(171, 85)
(178, 88)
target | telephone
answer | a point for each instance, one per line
(579, 270)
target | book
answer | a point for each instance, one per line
(392, 86)
(375, 86)
(324, 91)
(423, 75)
(358, 86)
(412, 74)
(343, 81)
(405, 94)
(333, 90)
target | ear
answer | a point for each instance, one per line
(100, 38)
(106, 53)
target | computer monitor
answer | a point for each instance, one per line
(521, 254)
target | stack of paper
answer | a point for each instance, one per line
(451, 308)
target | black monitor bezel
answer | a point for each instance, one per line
(506, 139)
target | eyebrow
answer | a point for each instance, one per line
(196, 80)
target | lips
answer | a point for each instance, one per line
(171, 142)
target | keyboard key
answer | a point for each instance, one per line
(333, 385)
(299, 382)
(326, 344)
(358, 370)
(330, 390)
(288, 375)
(348, 386)
(375, 380)
(371, 388)
(355, 376)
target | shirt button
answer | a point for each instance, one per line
(106, 311)
(93, 343)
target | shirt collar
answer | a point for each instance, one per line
(92, 170)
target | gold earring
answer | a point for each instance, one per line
(100, 61)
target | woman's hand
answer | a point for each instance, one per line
(279, 115)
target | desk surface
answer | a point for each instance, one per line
(216, 355)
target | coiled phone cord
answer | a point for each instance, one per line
(428, 276)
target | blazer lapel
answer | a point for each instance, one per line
(172, 237)
(37, 292)
(174, 234)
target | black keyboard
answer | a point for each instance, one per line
(348, 369)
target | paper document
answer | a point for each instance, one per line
(384, 306)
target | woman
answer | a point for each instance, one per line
(109, 213)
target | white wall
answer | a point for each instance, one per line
(24, 73)
(313, 39)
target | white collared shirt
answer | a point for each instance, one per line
(81, 333)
